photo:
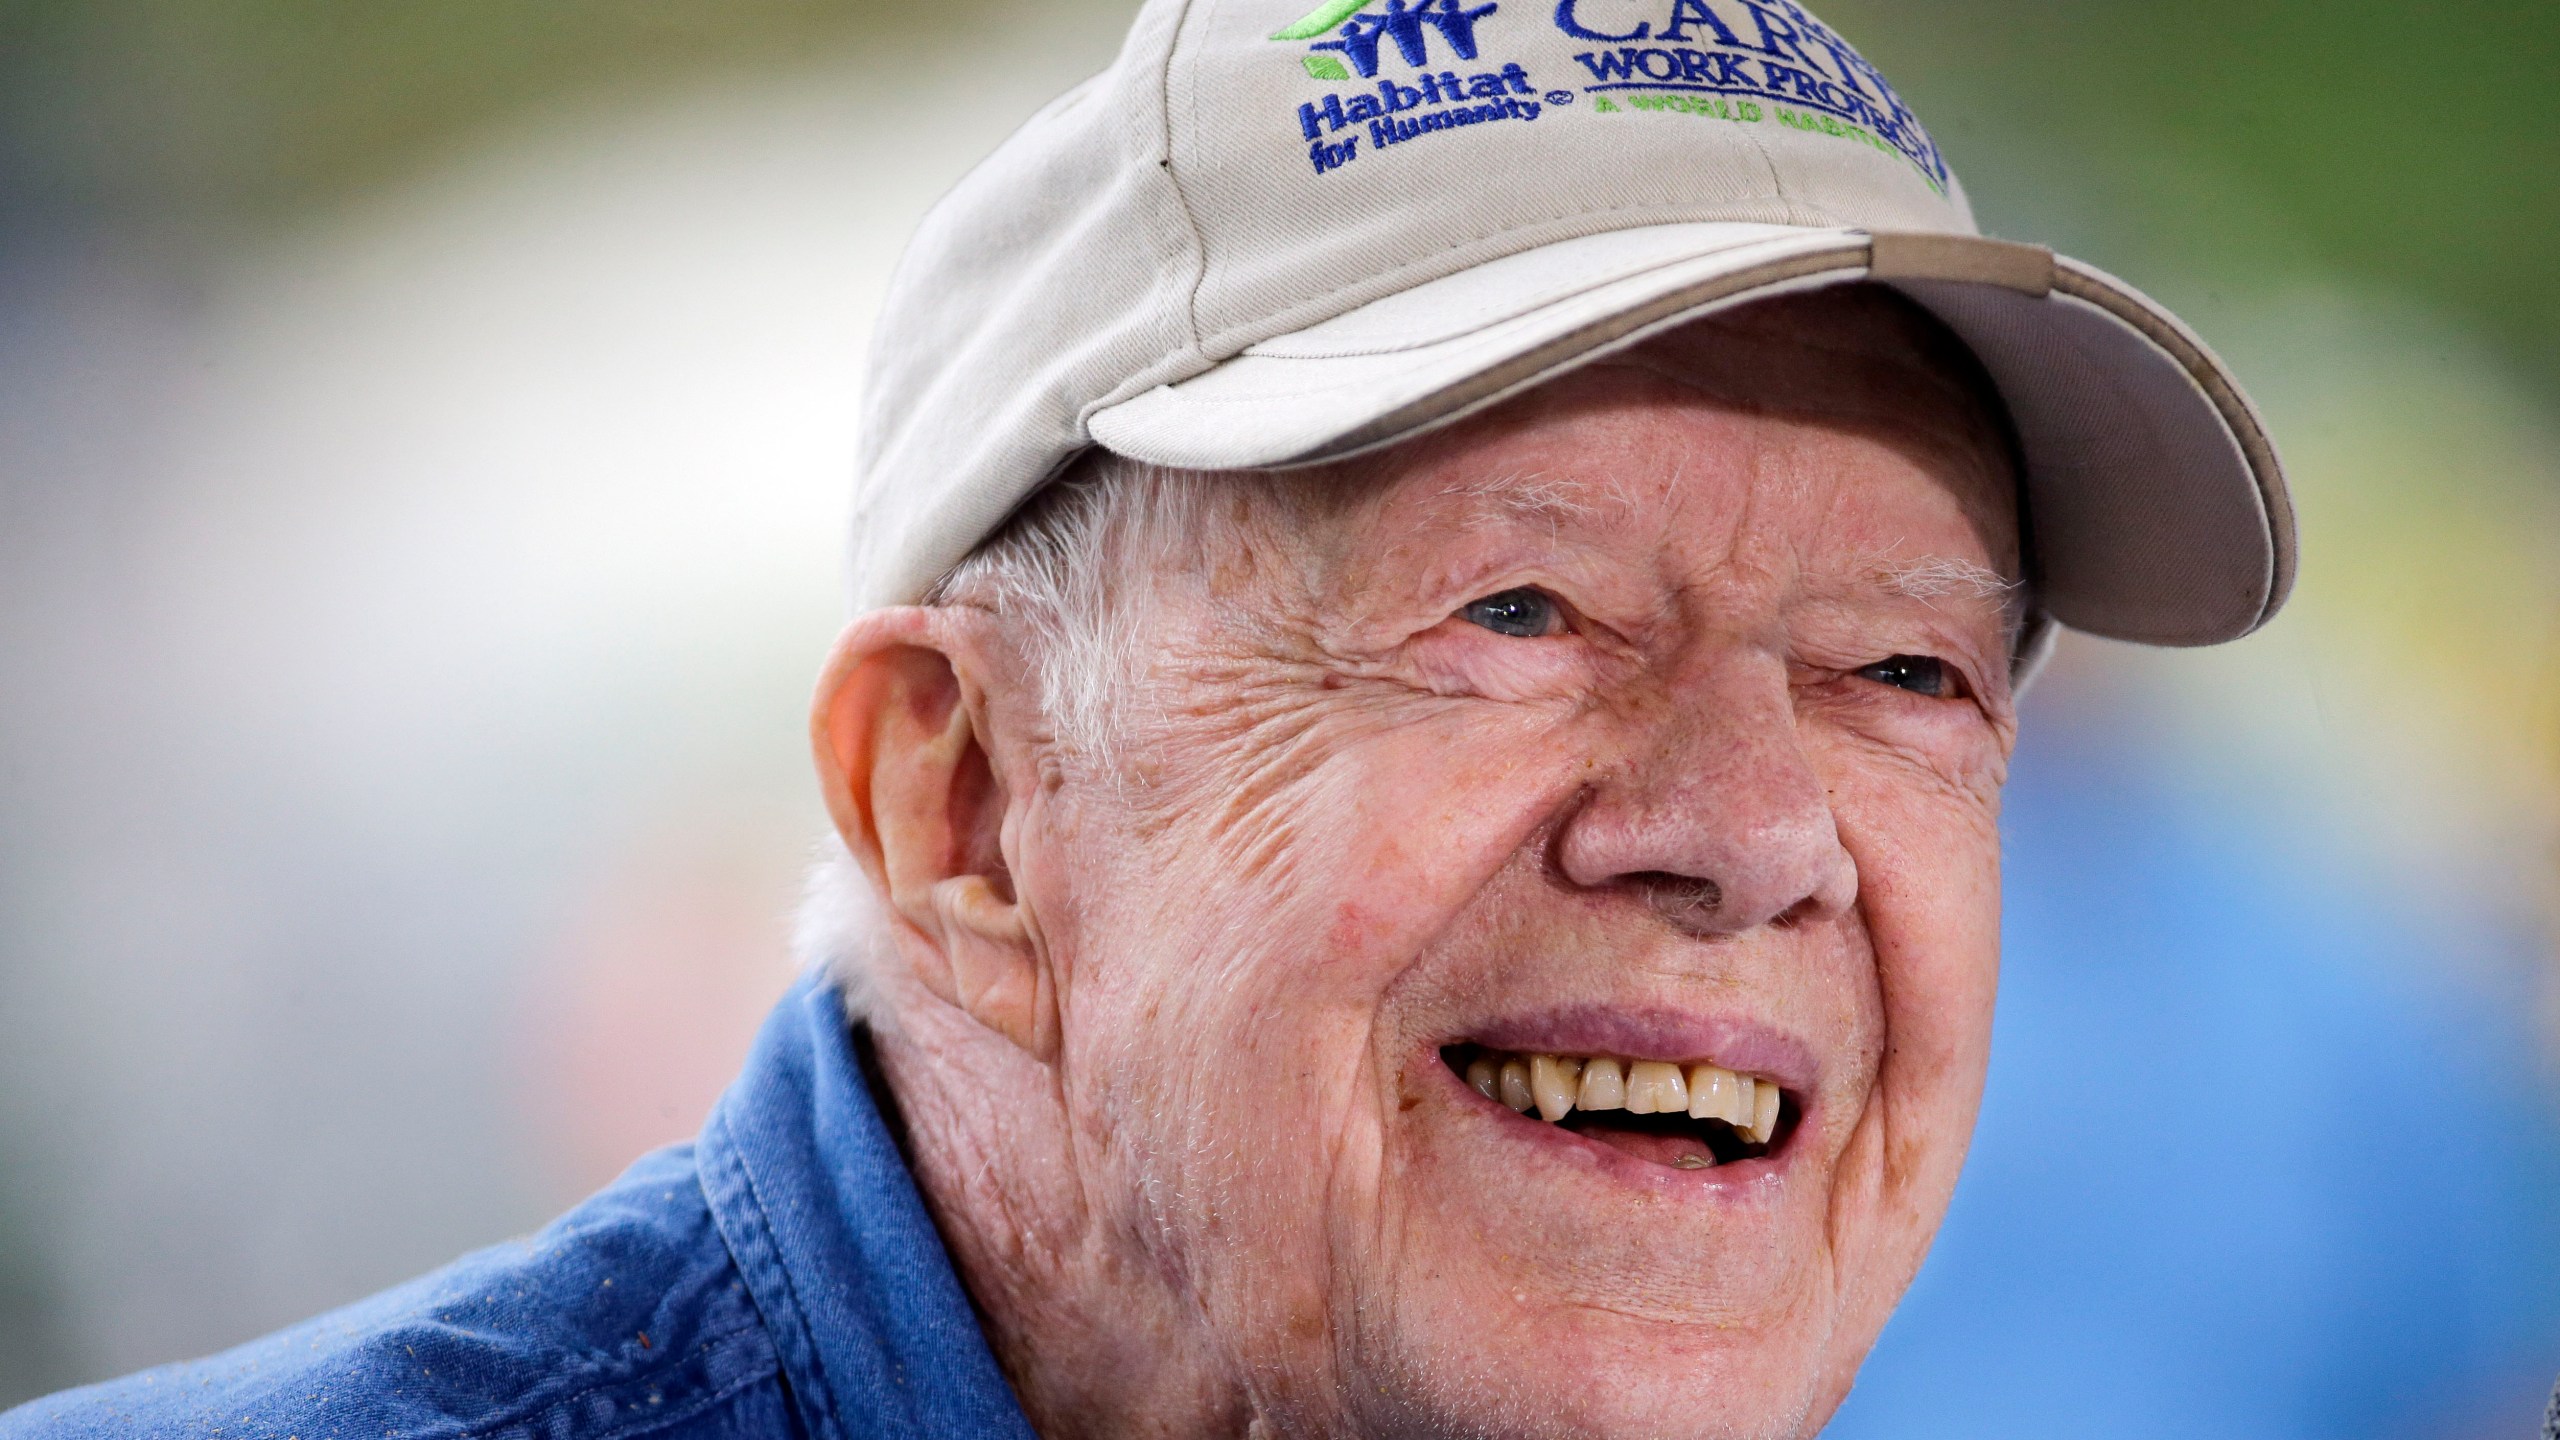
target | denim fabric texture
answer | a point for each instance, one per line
(777, 1278)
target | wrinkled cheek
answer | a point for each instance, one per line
(1357, 926)
(1938, 958)
(1225, 1045)
(1256, 1182)
(1232, 973)
(1367, 897)
(1929, 897)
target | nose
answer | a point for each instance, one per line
(1718, 817)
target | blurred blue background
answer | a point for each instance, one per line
(423, 433)
(2258, 1158)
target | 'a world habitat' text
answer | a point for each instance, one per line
(1765, 49)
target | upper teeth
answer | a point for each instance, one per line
(1557, 1085)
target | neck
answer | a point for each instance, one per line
(1087, 1326)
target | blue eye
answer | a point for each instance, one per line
(1919, 674)
(1524, 613)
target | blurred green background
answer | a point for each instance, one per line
(422, 428)
(2403, 145)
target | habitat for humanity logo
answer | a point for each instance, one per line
(1402, 23)
(1395, 113)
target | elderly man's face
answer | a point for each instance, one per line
(1659, 715)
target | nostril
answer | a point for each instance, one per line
(1684, 900)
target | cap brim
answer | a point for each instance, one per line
(2156, 504)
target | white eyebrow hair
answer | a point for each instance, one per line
(1530, 495)
(1934, 576)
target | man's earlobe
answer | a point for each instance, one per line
(904, 763)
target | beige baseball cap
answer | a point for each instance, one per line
(1269, 237)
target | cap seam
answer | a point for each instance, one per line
(1821, 262)
(1378, 349)
(1173, 177)
(1769, 162)
(1378, 285)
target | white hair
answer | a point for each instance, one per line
(1936, 576)
(1057, 571)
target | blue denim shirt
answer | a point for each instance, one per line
(778, 1277)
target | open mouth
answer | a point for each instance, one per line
(1689, 1117)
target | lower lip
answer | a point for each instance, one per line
(1733, 1179)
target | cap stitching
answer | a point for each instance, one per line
(1843, 261)
(1173, 178)
(1777, 181)
(1581, 286)
(1351, 297)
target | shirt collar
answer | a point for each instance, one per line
(808, 1188)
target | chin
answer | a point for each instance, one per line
(1551, 1270)
(1461, 1367)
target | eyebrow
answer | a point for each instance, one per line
(1528, 495)
(1935, 576)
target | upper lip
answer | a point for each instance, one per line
(1744, 1046)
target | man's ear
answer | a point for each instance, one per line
(903, 759)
